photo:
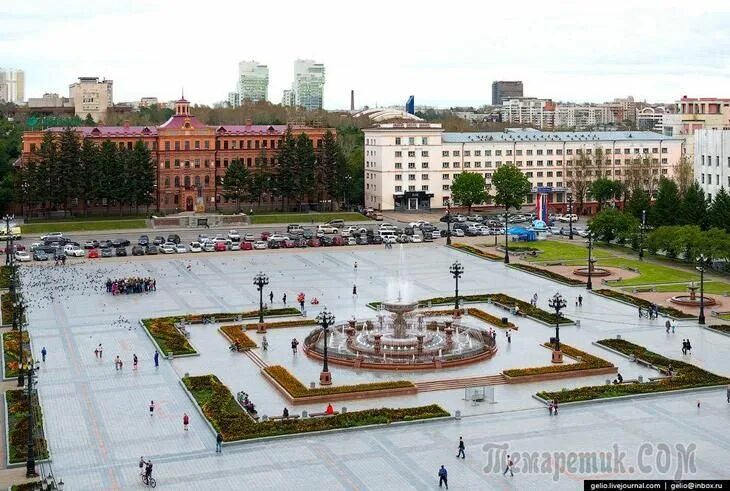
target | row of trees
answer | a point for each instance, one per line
(687, 242)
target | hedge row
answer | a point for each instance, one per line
(6, 304)
(640, 302)
(18, 423)
(5, 274)
(686, 376)
(228, 418)
(168, 337)
(477, 252)
(588, 361)
(720, 327)
(198, 318)
(235, 333)
(490, 319)
(297, 389)
(283, 324)
(11, 350)
(548, 274)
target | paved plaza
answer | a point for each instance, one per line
(97, 419)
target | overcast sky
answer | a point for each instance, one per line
(444, 53)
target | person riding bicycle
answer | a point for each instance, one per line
(148, 469)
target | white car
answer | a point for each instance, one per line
(348, 231)
(259, 244)
(196, 247)
(460, 218)
(234, 235)
(72, 250)
(351, 241)
(436, 234)
(457, 232)
(416, 239)
(327, 229)
(249, 237)
(22, 256)
(235, 245)
(202, 238)
(387, 226)
(35, 245)
(208, 246)
(279, 237)
(568, 218)
(181, 249)
(168, 248)
(52, 236)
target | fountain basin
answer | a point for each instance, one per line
(692, 300)
(597, 272)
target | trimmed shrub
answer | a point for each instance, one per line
(548, 274)
(490, 319)
(283, 324)
(235, 333)
(168, 337)
(18, 424)
(11, 350)
(476, 252)
(588, 361)
(645, 304)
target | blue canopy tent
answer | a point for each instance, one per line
(522, 233)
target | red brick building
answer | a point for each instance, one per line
(191, 157)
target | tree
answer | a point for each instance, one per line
(684, 174)
(108, 174)
(47, 184)
(511, 186)
(305, 164)
(639, 201)
(664, 211)
(613, 224)
(693, 209)
(286, 172)
(142, 175)
(468, 188)
(68, 171)
(90, 167)
(236, 183)
(331, 168)
(604, 189)
(719, 215)
(89, 120)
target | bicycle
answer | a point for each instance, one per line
(149, 481)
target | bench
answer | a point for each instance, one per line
(633, 270)
(554, 263)
(323, 415)
(282, 418)
(644, 289)
(183, 330)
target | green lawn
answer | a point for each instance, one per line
(90, 218)
(305, 218)
(649, 273)
(82, 226)
(714, 287)
(553, 250)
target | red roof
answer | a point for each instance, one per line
(179, 121)
(111, 131)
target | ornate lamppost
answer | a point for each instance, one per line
(448, 222)
(702, 260)
(641, 235)
(30, 462)
(18, 318)
(8, 238)
(325, 319)
(260, 281)
(570, 216)
(558, 303)
(456, 270)
(506, 236)
(591, 261)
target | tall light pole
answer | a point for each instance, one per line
(558, 303)
(8, 238)
(260, 281)
(570, 216)
(702, 260)
(18, 313)
(641, 235)
(348, 180)
(448, 222)
(589, 284)
(325, 319)
(506, 236)
(30, 462)
(456, 270)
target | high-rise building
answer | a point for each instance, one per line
(530, 111)
(696, 113)
(712, 159)
(287, 98)
(308, 86)
(92, 96)
(504, 90)
(234, 99)
(12, 85)
(253, 81)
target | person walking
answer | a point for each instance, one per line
(443, 477)
(509, 337)
(265, 343)
(668, 325)
(555, 407)
(218, 443)
(157, 359)
(152, 408)
(283, 299)
(354, 290)
(134, 361)
(117, 362)
(100, 348)
(580, 300)
(508, 467)
(728, 394)
(186, 421)
(271, 297)
(294, 344)
(43, 354)
(461, 449)
(355, 266)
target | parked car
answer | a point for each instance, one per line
(220, 246)
(181, 249)
(327, 229)
(265, 235)
(234, 235)
(436, 234)
(208, 246)
(144, 240)
(52, 236)
(152, 250)
(289, 244)
(362, 240)
(138, 250)
(91, 244)
(105, 244)
(121, 251)
(93, 254)
(74, 251)
(107, 252)
(174, 238)
(40, 255)
(195, 247)
(279, 237)
(235, 246)
(416, 239)
(568, 218)
(326, 241)
(259, 244)
(457, 232)
(337, 223)
(249, 237)
(338, 240)
(246, 246)
(294, 229)
(351, 241)
(375, 239)
(377, 216)
(301, 242)
(22, 256)
(159, 240)
(120, 243)
(313, 242)
(167, 248)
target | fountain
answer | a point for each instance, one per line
(592, 270)
(692, 300)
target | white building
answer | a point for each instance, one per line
(529, 110)
(253, 81)
(287, 98)
(308, 86)
(234, 99)
(411, 165)
(712, 159)
(92, 96)
(651, 118)
(12, 85)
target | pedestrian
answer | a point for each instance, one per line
(134, 361)
(508, 467)
(509, 337)
(728, 394)
(152, 408)
(684, 346)
(294, 344)
(355, 266)
(555, 407)
(551, 408)
(283, 299)
(43, 354)
(674, 326)
(218, 443)
(186, 421)
(271, 298)
(354, 290)
(285, 413)
(580, 300)
(265, 343)
(689, 347)
(461, 449)
(668, 325)
(443, 477)
(157, 359)
(101, 350)
(698, 403)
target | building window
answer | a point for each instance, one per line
(411, 188)
(445, 177)
(411, 177)
(399, 177)
(398, 165)
(445, 165)
(187, 145)
(398, 153)
(411, 165)
(411, 153)
(477, 164)
(445, 153)
(411, 140)
(467, 153)
(167, 164)
(207, 180)
(477, 153)
(177, 145)
(424, 187)
(177, 181)
(445, 187)
(424, 153)
(397, 140)
(177, 163)
(399, 189)
(456, 165)
(424, 177)
(197, 163)
(508, 152)
(424, 165)
(497, 153)
(167, 182)
(167, 146)
(529, 152)
(467, 165)
(424, 140)
(456, 153)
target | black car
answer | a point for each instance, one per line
(91, 244)
(152, 250)
(362, 240)
(47, 249)
(57, 241)
(107, 252)
(159, 240)
(274, 244)
(120, 243)
(375, 239)
(144, 240)
(137, 250)
(39, 255)
(173, 238)
(408, 230)
(307, 234)
(121, 251)
(447, 219)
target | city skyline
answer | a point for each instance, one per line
(658, 51)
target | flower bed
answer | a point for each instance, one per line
(297, 389)
(548, 274)
(17, 411)
(490, 319)
(11, 351)
(720, 327)
(235, 333)
(477, 252)
(167, 336)
(588, 362)
(6, 303)
(223, 316)
(640, 302)
(283, 324)
(686, 376)
(5, 273)
(228, 418)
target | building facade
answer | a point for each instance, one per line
(505, 90)
(712, 159)
(191, 158)
(696, 113)
(308, 86)
(410, 166)
(253, 81)
(529, 111)
(92, 96)
(12, 85)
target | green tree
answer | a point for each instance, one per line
(109, 173)
(604, 189)
(331, 168)
(236, 183)
(511, 187)
(639, 201)
(306, 159)
(352, 141)
(664, 211)
(141, 175)
(90, 167)
(89, 121)
(47, 184)
(68, 172)
(286, 184)
(468, 188)
(719, 213)
(693, 209)
(613, 224)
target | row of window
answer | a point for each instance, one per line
(196, 163)
(717, 160)
(549, 151)
(186, 181)
(717, 179)
(411, 153)
(423, 140)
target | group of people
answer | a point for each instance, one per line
(686, 346)
(553, 407)
(652, 312)
(131, 285)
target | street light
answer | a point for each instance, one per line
(8, 238)
(456, 270)
(506, 236)
(325, 319)
(30, 462)
(260, 281)
(589, 284)
(558, 303)
(702, 260)
(448, 222)
(641, 235)
(348, 180)
(18, 313)
(570, 216)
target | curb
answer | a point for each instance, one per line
(633, 396)
(200, 410)
(564, 283)
(709, 328)
(164, 353)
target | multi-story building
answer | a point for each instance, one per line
(308, 86)
(650, 118)
(191, 158)
(506, 90)
(529, 111)
(253, 81)
(92, 96)
(579, 116)
(712, 159)
(692, 114)
(12, 85)
(234, 99)
(410, 166)
(49, 100)
(148, 102)
(287, 98)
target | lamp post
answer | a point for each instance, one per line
(260, 281)
(8, 238)
(701, 260)
(348, 180)
(448, 222)
(641, 235)
(30, 462)
(325, 319)
(18, 313)
(570, 216)
(589, 284)
(506, 236)
(456, 270)
(558, 303)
